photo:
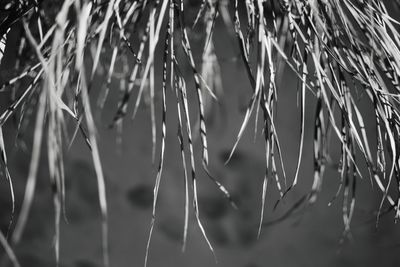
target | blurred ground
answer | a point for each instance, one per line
(308, 238)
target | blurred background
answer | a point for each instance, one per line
(310, 236)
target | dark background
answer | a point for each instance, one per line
(310, 237)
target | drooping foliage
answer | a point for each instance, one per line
(338, 50)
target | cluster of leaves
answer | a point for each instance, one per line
(335, 48)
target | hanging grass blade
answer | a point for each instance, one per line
(263, 200)
(203, 7)
(18, 77)
(121, 27)
(259, 81)
(151, 87)
(103, 29)
(33, 169)
(174, 84)
(183, 156)
(3, 156)
(183, 94)
(123, 104)
(319, 150)
(163, 136)
(13, 107)
(104, 93)
(3, 42)
(302, 120)
(152, 48)
(188, 53)
(9, 251)
(101, 186)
